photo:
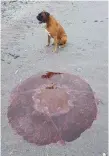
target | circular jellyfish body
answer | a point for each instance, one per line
(50, 107)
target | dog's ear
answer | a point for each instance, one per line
(47, 14)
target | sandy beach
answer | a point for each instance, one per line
(23, 54)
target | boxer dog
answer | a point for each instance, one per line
(54, 29)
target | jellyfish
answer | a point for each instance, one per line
(51, 107)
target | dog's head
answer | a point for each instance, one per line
(43, 17)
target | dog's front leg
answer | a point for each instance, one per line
(48, 40)
(55, 44)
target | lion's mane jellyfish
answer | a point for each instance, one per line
(51, 107)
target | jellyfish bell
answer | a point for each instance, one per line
(51, 107)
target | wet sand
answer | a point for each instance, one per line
(24, 54)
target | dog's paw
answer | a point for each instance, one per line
(54, 50)
(53, 43)
(47, 45)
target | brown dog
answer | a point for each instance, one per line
(54, 29)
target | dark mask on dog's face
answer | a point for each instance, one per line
(43, 17)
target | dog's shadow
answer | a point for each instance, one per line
(49, 49)
(46, 50)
